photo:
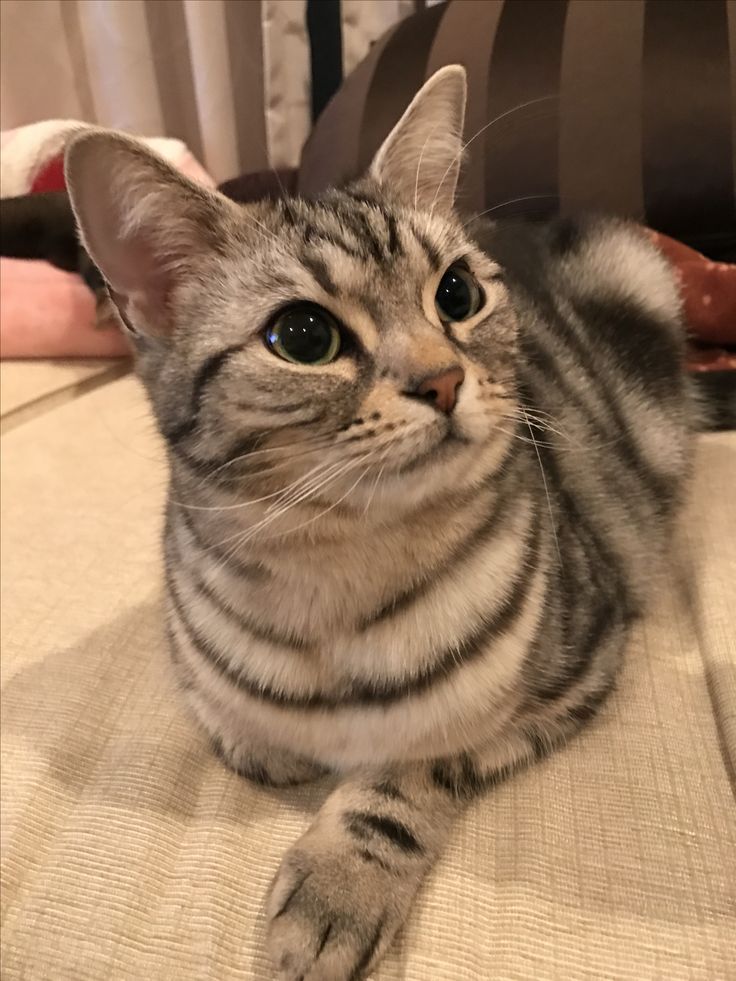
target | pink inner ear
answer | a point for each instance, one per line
(142, 285)
(141, 223)
(143, 268)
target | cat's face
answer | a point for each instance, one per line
(360, 338)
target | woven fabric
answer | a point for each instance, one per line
(31, 385)
(129, 852)
(23, 383)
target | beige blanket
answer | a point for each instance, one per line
(129, 852)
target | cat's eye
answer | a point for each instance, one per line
(458, 296)
(304, 334)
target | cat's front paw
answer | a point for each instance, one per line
(334, 907)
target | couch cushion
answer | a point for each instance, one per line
(617, 107)
(129, 852)
(28, 388)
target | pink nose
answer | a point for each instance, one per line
(441, 389)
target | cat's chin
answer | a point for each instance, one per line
(455, 466)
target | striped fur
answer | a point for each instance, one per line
(357, 583)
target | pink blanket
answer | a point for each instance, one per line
(48, 313)
(44, 311)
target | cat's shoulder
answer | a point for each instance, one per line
(615, 261)
(593, 258)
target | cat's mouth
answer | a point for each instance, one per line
(451, 441)
(454, 437)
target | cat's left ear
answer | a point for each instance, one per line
(149, 229)
(420, 158)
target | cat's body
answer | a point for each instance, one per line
(413, 565)
(416, 629)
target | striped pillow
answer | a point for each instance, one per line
(622, 106)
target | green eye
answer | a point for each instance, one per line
(304, 334)
(458, 296)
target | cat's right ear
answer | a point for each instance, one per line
(145, 225)
(419, 161)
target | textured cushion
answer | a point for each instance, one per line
(622, 107)
(129, 852)
(29, 388)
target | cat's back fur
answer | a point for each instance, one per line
(602, 369)
(602, 353)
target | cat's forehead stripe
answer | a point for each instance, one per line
(362, 228)
(318, 269)
(432, 253)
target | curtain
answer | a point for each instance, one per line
(240, 81)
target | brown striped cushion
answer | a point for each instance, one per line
(623, 106)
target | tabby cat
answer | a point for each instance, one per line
(422, 473)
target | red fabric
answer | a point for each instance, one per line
(708, 291)
(710, 359)
(50, 177)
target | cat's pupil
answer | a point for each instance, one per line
(305, 335)
(457, 294)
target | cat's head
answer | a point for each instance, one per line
(358, 334)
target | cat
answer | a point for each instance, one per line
(422, 476)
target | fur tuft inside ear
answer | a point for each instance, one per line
(143, 223)
(420, 158)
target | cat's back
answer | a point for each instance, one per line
(601, 369)
(603, 290)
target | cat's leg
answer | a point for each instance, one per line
(345, 888)
(265, 765)
(243, 750)
(347, 885)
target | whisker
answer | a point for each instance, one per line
(331, 507)
(419, 164)
(382, 465)
(546, 492)
(492, 122)
(245, 504)
(523, 439)
(503, 204)
(307, 485)
(321, 442)
(274, 171)
(254, 221)
(241, 538)
(542, 424)
(318, 441)
(374, 489)
(317, 483)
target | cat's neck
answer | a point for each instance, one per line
(345, 561)
(266, 521)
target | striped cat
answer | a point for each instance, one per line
(422, 476)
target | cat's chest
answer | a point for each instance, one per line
(323, 599)
(373, 610)
(338, 586)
